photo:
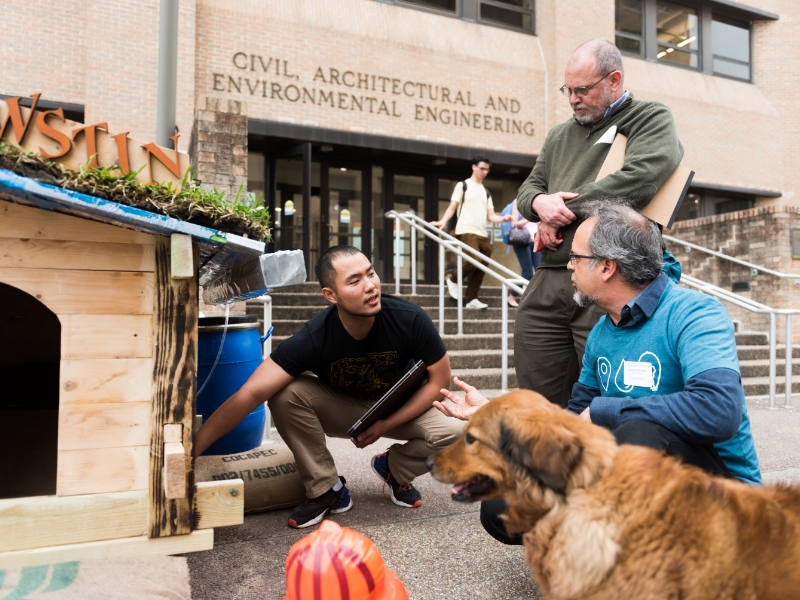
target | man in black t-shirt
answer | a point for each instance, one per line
(358, 348)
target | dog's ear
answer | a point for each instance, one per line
(545, 451)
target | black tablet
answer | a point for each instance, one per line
(392, 400)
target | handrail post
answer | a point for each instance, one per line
(413, 260)
(504, 340)
(459, 269)
(266, 349)
(788, 391)
(441, 289)
(772, 359)
(397, 256)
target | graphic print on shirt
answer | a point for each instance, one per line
(366, 377)
(635, 373)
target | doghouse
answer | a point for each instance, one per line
(98, 321)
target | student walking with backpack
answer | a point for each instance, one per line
(521, 240)
(472, 203)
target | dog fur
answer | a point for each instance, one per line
(602, 521)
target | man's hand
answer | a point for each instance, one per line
(552, 210)
(585, 415)
(371, 435)
(462, 408)
(547, 237)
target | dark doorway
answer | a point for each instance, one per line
(29, 372)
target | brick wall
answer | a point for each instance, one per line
(219, 145)
(761, 236)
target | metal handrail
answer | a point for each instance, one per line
(462, 252)
(751, 266)
(758, 308)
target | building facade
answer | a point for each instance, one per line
(336, 111)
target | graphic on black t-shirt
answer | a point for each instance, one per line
(367, 377)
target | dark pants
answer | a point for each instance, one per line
(482, 245)
(528, 261)
(640, 433)
(550, 333)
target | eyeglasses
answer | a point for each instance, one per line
(574, 257)
(581, 90)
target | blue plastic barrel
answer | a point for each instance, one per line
(240, 356)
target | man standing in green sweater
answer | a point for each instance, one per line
(550, 329)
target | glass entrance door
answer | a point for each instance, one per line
(409, 195)
(345, 196)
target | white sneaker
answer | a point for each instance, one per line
(475, 304)
(452, 287)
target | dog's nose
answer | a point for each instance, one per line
(429, 463)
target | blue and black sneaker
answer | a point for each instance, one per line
(314, 510)
(402, 495)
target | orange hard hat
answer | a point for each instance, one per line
(335, 563)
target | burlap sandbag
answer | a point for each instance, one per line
(270, 476)
(127, 578)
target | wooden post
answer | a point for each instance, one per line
(174, 390)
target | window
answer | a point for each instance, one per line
(447, 5)
(629, 15)
(709, 36)
(730, 42)
(519, 15)
(705, 203)
(677, 33)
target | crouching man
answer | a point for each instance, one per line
(660, 368)
(357, 348)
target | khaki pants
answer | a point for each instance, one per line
(307, 410)
(482, 245)
(550, 333)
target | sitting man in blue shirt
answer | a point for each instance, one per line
(660, 368)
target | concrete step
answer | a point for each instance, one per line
(761, 352)
(751, 338)
(760, 367)
(450, 312)
(479, 359)
(485, 378)
(471, 326)
(476, 341)
(759, 386)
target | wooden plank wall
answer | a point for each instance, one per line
(100, 282)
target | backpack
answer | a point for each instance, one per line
(451, 224)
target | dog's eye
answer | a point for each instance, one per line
(469, 439)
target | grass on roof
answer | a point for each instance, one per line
(191, 203)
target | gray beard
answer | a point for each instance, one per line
(583, 301)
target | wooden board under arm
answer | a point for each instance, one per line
(174, 386)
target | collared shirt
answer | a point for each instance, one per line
(644, 304)
(616, 104)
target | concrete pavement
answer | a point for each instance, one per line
(439, 550)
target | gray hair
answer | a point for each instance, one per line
(606, 56)
(625, 236)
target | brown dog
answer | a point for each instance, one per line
(603, 521)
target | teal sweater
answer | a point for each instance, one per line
(571, 158)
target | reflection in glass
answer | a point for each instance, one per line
(731, 48)
(520, 19)
(378, 220)
(448, 5)
(677, 34)
(287, 230)
(409, 194)
(628, 19)
(344, 208)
